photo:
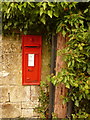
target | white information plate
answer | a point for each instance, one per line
(30, 59)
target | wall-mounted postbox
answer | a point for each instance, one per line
(31, 59)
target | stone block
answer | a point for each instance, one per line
(31, 104)
(27, 113)
(10, 110)
(34, 98)
(8, 78)
(35, 90)
(14, 93)
(3, 73)
(26, 93)
(4, 96)
(19, 93)
(12, 61)
(13, 66)
(11, 45)
(35, 93)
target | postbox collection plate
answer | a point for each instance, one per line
(31, 59)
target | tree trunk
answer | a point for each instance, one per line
(60, 109)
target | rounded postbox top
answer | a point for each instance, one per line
(31, 40)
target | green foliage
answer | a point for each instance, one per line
(76, 74)
(32, 18)
(43, 106)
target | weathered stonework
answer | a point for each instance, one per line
(19, 93)
(10, 110)
(27, 112)
(29, 104)
(4, 94)
(17, 100)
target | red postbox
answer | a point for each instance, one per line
(31, 59)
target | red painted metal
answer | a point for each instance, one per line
(31, 45)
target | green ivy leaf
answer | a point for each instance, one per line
(85, 11)
(5, 27)
(51, 4)
(41, 11)
(43, 19)
(58, 29)
(69, 63)
(81, 48)
(31, 4)
(67, 85)
(25, 4)
(86, 92)
(56, 13)
(50, 13)
(8, 10)
(80, 97)
(77, 103)
(44, 5)
(64, 33)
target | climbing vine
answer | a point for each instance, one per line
(33, 17)
(43, 107)
(73, 20)
(76, 73)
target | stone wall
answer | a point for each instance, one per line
(17, 100)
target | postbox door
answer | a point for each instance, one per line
(32, 68)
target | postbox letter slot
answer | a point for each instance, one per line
(30, 70)
(32, 46)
